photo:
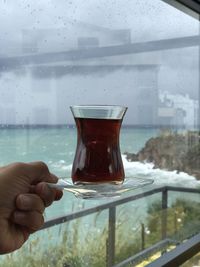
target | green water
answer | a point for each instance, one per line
(56, 146)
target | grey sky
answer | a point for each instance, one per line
(147, 20)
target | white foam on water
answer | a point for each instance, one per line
(160, 177)
(62, 161)
(59, 165)
(68, 167)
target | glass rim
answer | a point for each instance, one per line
(98, 106)
(98, 111)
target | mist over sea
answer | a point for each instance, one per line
(56, 147)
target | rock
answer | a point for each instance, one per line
(131, 156)
(179, 152)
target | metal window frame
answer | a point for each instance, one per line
(191, 4)
(190, 7)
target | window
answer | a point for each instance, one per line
(141, 54)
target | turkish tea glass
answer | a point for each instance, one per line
(98, 158)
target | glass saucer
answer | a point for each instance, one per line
(96, 191)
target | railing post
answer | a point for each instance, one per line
(142, 236)
(110, 246)
(175, 222)
(164, 213)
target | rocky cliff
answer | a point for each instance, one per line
(179, 152)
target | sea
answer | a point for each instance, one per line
(56, 146)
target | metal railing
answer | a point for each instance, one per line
(181, 254)
(110, 244)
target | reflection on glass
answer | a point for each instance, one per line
(140, 54)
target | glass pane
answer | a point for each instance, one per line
(141, 54)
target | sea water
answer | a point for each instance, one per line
(56, 147)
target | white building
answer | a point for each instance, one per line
(180, 110)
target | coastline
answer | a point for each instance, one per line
(178, 152)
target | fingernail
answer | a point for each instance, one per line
(24, 200)
(48, 195)
(18, 216)
(59, 194)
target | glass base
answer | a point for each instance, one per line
(105, 190)
(98, 183)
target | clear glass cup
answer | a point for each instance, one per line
(98, 157)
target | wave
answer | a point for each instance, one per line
(160, 177)
(59, 165)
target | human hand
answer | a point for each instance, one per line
(23, 198)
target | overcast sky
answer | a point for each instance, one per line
(147, 20)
